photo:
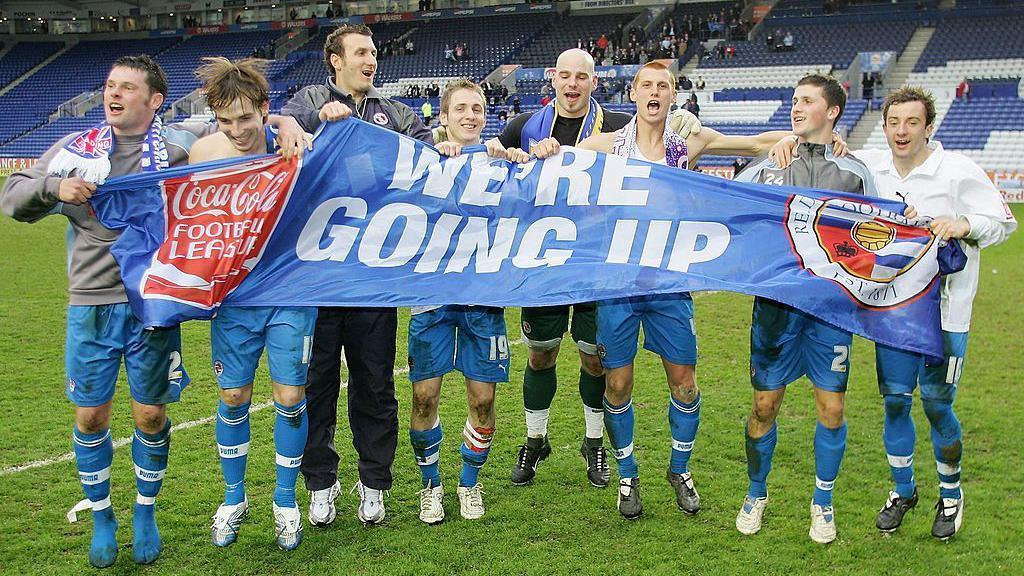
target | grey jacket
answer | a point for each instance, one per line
(375, 109)
(814, 167)
(29, 195)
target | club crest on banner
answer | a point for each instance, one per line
(877, 261)
(218, 224)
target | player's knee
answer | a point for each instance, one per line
(287, 395)
(236, 396)
(591, 364)
(92, 419)
(683, 384)
(149, 418)
(766, 409)
(542, 359)
(940, 415)
(481, 406)
(830, 413)
(897, 406)
(618, 385)
(424, 403)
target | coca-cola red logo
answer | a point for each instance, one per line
(218, 224)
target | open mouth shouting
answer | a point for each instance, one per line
(653, 107)
(115, 108)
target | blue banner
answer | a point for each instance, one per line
(372, 218)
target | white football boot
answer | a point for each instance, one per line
(823, 524)
(432, 504)
(288, 525)
(748, 521)
(227, 521)
(471, 502)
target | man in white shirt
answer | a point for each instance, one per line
(965, 205)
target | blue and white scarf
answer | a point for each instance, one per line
(675, 145)
(539, 126)
(88, 154)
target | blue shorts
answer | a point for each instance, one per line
(99, 337)
(470, 339)
(900, 372)
(786, 344)
(669, 330)
(238, 335)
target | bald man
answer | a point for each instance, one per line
(573, 116)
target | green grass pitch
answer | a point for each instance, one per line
(559, 524)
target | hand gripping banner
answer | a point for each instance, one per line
(372, 218)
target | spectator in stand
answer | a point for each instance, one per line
(666, 47)
(238, 18)
(449, 54)
(963, 91)
(602, 46)
(787, 41)
(408, 91)
(459, 51)
(293, 14)
(465, 51)
(410, 48)
(691, 105)
(685, 84)
(428, 112)
(545, 100)
(516, 109)
(769, 40)
(730, 52)
(330, 12)
(416, 91)
(699, 85)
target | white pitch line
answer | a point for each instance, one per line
(193, 423)
(190, 424)
(120, 442)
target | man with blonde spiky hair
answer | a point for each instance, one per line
(237, 92)
(667, 319)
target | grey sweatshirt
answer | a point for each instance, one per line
(29, 195)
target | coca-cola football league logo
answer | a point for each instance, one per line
(218, 224)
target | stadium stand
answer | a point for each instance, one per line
(82, 68)
(23, 57)
(745, 94)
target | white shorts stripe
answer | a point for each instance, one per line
(144, 500)
(233, 451)
(93, 478)
(149, 475)
(621, 453)
(900, 461)
(946, 469)
(288, 461)
(823, 485)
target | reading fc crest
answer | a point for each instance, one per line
(862, 248)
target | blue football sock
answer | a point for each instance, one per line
(94, 453)
(149, 453)
(683, 420)
(476, 445)
(947, 445)
(618, 420)
(899, 436)
(829, 445)
(291, 426)
(759, 460)
(233, 435)
(426, 446)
